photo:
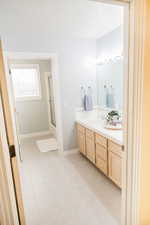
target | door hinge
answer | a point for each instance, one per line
(12, 151)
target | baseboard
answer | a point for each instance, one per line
(35, 134)
(71, 151)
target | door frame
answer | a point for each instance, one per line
(48, 74)
(133, 115)
(52, 57)
(9, 211)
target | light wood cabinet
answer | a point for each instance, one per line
(101, 153)
(101, 140)
(115, 148)
(115, 163)
(90, 145)
(104, 153)
(101, 164)
(81, 139)
(115, 170)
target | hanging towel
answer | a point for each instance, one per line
(88, 103)
(82, 96)
(110, 98)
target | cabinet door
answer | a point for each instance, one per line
(101, 158)
(81, 142)
(90, 149)
(115, 168)
(101, 152)
(101, 164)
(101, 140)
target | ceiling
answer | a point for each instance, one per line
(59, 18)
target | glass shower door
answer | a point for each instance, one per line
(51, 100)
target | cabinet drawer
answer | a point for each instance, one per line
(80, 128)
(101, 140)
(117, 149)
(101, 152)
(89, 134)
(102, 165)
(90, 149)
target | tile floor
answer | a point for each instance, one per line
(66, 190)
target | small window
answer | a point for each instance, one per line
(26, 82)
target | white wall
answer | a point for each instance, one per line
(33, 115)
(75, 70)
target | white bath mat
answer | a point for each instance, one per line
(46, 145)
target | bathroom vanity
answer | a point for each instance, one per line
(104, 148)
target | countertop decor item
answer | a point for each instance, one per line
(113, 118)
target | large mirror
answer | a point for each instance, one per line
(109, 70)
(110, 85)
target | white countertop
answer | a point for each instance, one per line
(98, 127)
